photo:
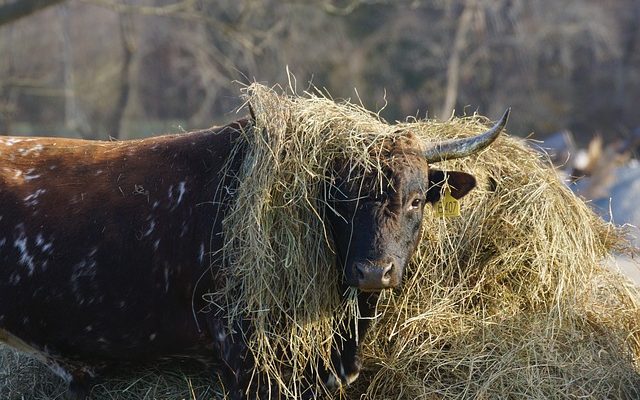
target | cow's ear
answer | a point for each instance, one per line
(460, 184)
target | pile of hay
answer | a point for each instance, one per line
(510, 300)
(24, 378)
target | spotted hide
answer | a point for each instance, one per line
(106, 248)
(101, 246)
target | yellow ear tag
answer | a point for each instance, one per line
(447, 206)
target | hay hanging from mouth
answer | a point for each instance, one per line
(509, 300)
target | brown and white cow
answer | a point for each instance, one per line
(104, 245)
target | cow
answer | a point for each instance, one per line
(103, 245)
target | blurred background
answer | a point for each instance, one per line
(130, 68)
(125, 68)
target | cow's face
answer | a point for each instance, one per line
(376, 220)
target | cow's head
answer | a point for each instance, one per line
(376, 220)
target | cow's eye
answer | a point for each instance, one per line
(416, 203)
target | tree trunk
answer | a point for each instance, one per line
(453, 66)
(74, 119)
(114, 122)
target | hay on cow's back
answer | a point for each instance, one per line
(508, 300)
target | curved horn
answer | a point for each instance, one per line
(457, 148)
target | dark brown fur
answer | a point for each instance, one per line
(103, 244)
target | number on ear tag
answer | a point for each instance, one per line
(447, 206)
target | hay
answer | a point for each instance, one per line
(510, 300)
(281, 272)
(22, 377)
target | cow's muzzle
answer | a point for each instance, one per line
(375, 276)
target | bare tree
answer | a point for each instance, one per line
(453, 66)
(114, 121)
(75, 119)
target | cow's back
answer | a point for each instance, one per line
(102, 243)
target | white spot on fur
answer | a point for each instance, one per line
(166, 279)
(170, 192)
(88, 328)
(185, 228)
(92, 253)
(32, 199)
(181, 191)
(150, 229)
(47, 247)
(43, 244)
(35, 150)
(14, 279)
(156, 244)
(201, 255)
(3, 241)
(10, 141)
(20, 244)
(29, 175)
(152, 336)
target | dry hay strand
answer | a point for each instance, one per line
(510, 300)
(22, 377)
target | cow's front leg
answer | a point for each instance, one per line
(345, 355)
(235, 358)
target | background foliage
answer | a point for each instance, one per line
(125, 68)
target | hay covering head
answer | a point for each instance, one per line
(509, 301)
(325, 185)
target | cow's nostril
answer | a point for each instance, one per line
(386, 274)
